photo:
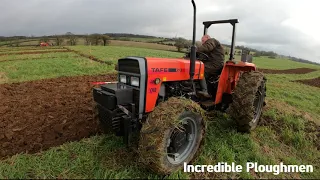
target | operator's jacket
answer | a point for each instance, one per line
(214, 50)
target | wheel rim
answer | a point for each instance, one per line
(258, 103)
(182, 141)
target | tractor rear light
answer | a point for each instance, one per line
(123, 78)
(134, 81)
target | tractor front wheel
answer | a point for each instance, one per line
(248, 100)
(171, 135)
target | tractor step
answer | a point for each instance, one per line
(208, 103)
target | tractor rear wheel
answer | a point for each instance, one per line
(248, 100)
(172, 134)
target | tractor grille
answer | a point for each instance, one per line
(129, 65)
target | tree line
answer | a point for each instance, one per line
(72, 39)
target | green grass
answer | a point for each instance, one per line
(304, 97)
(27, 70)
(18, 57)
(284, 137)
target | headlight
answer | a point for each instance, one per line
(123, 78)
(134, 81)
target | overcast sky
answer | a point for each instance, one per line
(288, 27)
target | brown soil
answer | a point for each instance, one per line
(41, 114)
(311, 82)
(287, 71)
(33, 52)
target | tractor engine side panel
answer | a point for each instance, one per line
(167, 70)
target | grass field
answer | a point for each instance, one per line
(286, 133)
(18, 68)
(113, 53)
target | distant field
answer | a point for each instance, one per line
(143, 45)
(268, 63)
(21, 42)
(141, 39)
(114, 53)
(61, 109)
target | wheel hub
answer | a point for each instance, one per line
(179, 138)
(181, 142)
(258, 103)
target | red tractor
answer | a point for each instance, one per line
(157, 99)
(44, 44)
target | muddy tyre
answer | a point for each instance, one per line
(172, 134)
(248, 100)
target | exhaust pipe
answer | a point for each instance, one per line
(193, 47)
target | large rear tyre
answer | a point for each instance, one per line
(172, 135)
(248, 100)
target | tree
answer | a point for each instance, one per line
(72, 38)
(44, 39)
(105, 39)
(59, 40)
(180, 43)
(87, 39)
(95, 39)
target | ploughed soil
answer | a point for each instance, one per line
(33, 52)
(41, 114)
(287, 71)
(311, 82)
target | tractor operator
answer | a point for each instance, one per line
(213, 66)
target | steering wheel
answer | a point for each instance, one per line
(199, 55)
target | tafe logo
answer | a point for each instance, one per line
(159, 69)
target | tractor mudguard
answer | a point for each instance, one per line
(229, 77)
